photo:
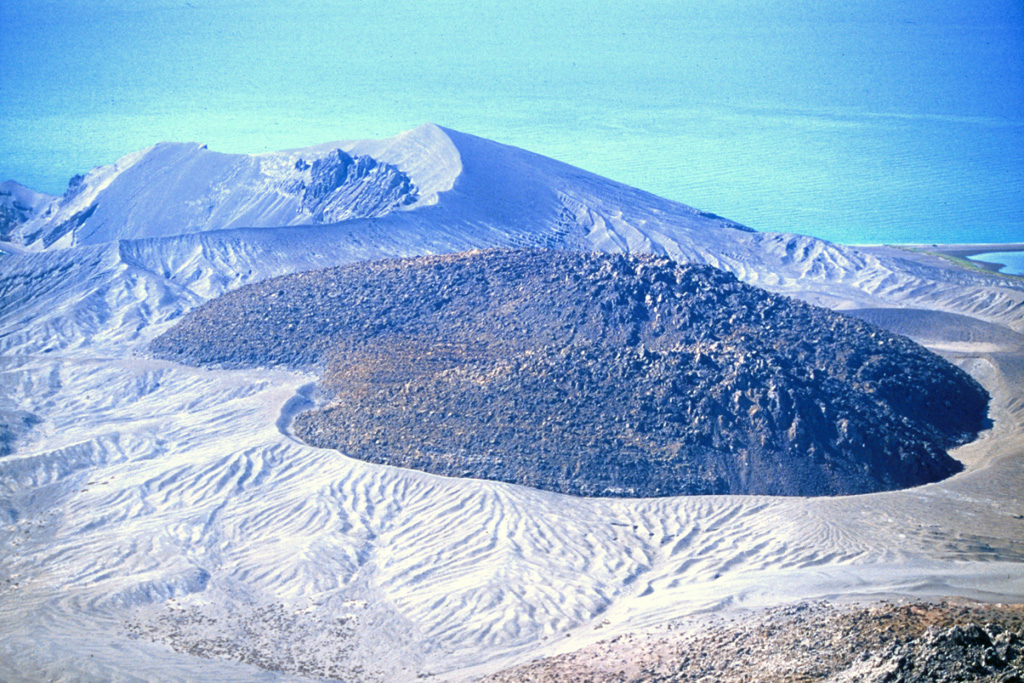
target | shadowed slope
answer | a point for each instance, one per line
(595, 375)
(17, 205)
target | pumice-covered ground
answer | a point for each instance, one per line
(160, 522)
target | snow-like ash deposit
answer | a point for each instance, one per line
(601, 375)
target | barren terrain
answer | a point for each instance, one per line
(159, 522)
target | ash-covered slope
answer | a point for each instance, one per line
(595, 375)
(209, 222)
(184, 188)
(18, 204)
(471, 186)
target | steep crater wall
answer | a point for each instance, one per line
(602, 375)
(342, 186)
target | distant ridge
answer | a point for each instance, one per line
(188, 223)
(595, 375)
(184, 188)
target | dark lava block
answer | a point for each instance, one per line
(602, 375)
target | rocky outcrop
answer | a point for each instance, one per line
(881, 643)
(341, 186)
(975, 652)
(601, 375)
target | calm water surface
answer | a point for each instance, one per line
(1013, 261)
(860, 121)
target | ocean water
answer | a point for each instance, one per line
(861, 121)
(1012, 261)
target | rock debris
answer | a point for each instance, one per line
(596, 375)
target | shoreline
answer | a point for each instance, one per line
(957, 248)
(964, 251)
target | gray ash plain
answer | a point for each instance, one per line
(596, 375)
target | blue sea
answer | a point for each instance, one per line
(1012, 261)
(861, 121)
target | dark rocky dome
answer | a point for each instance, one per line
(602, 375)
